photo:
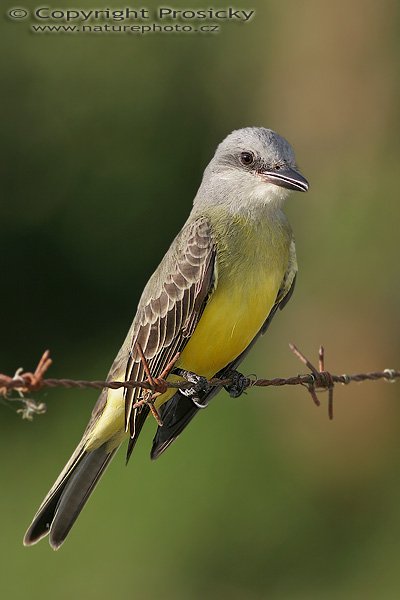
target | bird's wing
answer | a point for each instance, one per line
(180, 410)
(170, 307)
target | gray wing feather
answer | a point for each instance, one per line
(170, 306)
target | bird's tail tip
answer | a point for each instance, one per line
(68, 496)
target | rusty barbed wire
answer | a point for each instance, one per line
(315, 381)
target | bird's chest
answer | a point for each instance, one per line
(250, 267)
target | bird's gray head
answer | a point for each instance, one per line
(251, 167)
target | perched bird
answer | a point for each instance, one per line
(227, 272)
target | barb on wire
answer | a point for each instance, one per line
(317, 380)
(158, 385)
(322, 379)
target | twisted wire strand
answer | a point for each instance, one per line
(315, 380)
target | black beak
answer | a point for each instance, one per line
(287, 178)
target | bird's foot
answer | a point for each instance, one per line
(200, 386)
(239, 383)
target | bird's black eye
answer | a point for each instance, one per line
(277, 167)
(247, 158)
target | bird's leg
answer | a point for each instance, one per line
(239, 383)
(200, 386)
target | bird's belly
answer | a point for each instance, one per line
(232, 318)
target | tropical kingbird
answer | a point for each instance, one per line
(216, 290)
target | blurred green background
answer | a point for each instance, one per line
(104, 141)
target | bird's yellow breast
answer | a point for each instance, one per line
(252, 259)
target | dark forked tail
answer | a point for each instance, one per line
(68, 496)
